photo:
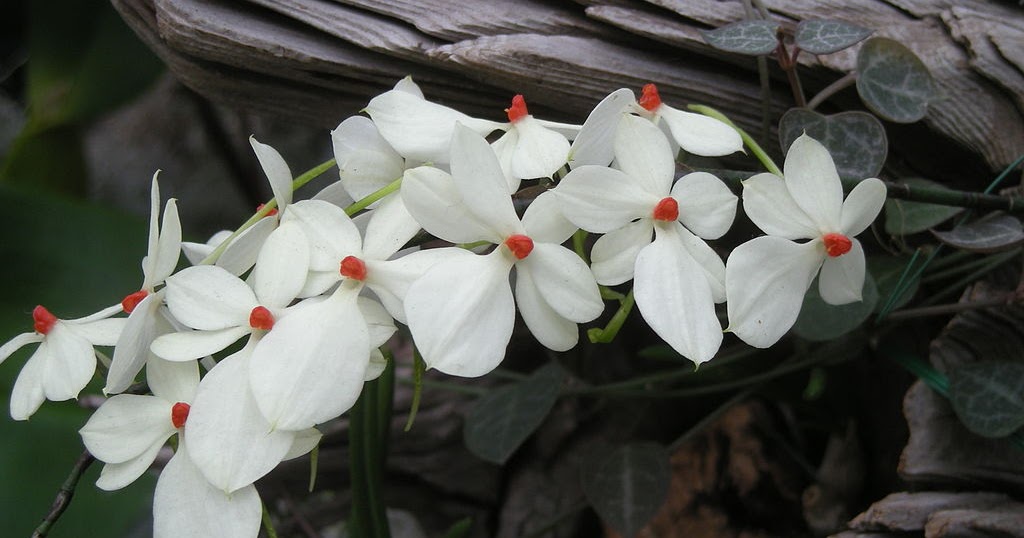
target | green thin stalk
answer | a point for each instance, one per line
(608, 333)
(749, 141)
(268, 525)
(957, 287)
(369, 421)
(377, 195)
(579, 241)
(306, 177)
(469, 390)
(955, 270)
(661, 377)
(418, 368)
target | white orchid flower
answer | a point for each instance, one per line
(418, 129)
(767, 277)
(144, 306)
(678, 278)
(530, 148)
(461, 312)
(65, 360)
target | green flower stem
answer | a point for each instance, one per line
(369, 200)
(314, 464)
(268, 525)
(418, 368)
(306, 177)
(64, 495)
(828, 91)
(608, 334)
(609, 294)
(369, 422)
(579, 240)
(661, 377)
(747, 139)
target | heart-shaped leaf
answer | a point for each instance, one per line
(989, 396)
(856, 140)
(627, 485)
(893, 82)
(819, 321)
(991, 234)
(827, 36)
(754, 37)
(501, 420)
(905, 218)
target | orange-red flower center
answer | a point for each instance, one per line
(518, 109)
(44, 320)
(650, 99)
(520, 245)
(179, 414)
(352, 267)
(261, 318)
(129, 303)
(667, 210)
(269, 213)
(837, 244)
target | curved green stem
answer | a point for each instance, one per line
(748, 140)
(369, 200)
(608, 334)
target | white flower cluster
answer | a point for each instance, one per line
(316, 293)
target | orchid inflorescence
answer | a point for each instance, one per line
(316, 293)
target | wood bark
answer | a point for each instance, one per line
(319, 61)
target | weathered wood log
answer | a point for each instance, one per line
(320, 60)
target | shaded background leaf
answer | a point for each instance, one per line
(893, 82)
(627, 485)
(989, 396)
(995, 233)
(819, 321)
(755, 37)
(887, 271)
(828, 36)
(856, 140)
(905, 218)
(501, 420)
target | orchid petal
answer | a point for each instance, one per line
(674, 298)
(241, 254)
(595, 143)
(209, 298)
(28, 395)
(432, 199)
(709, 261)
(461, 314)
(335, 194)
(186, 505)
(481, 183)
(643, 153)
(699, 134)
(228, 439)
(862, 206)
(318, 282)
(564, 281)
(101, 332)
(310, 368)
(277, 172)
(366, 162)
(408, 86)
(504, 148)
(132, 347)
(168, 247)
(390, 280)
(115, 476)
(195, 253)
(613, 258)
(544, 221)
(419, 129)
(813, 182)
(766, 279)
(126, 426)
(331, 233)
(706, 206)
(304, 442)
(390, 228)
(547, 326)
(539, 152)
(172, 381)
(767, 202)
(600, 199)
(192, 345)
(72, 361)
(842, 277)
(376, 365)
(17, 343)
(280, 271)
(379, 324)
(153, 240)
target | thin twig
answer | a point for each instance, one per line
(938, 310)
(67, 491)
(828, 91)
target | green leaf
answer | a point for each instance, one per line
(994, 233)
(828, 36)
(628, 484)
(989, 396)
(755, 37)
(905, 218)
(501, 420)
(819, 321)
(893, 82)
(856, 140)
(887, 271)
(460, 529)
